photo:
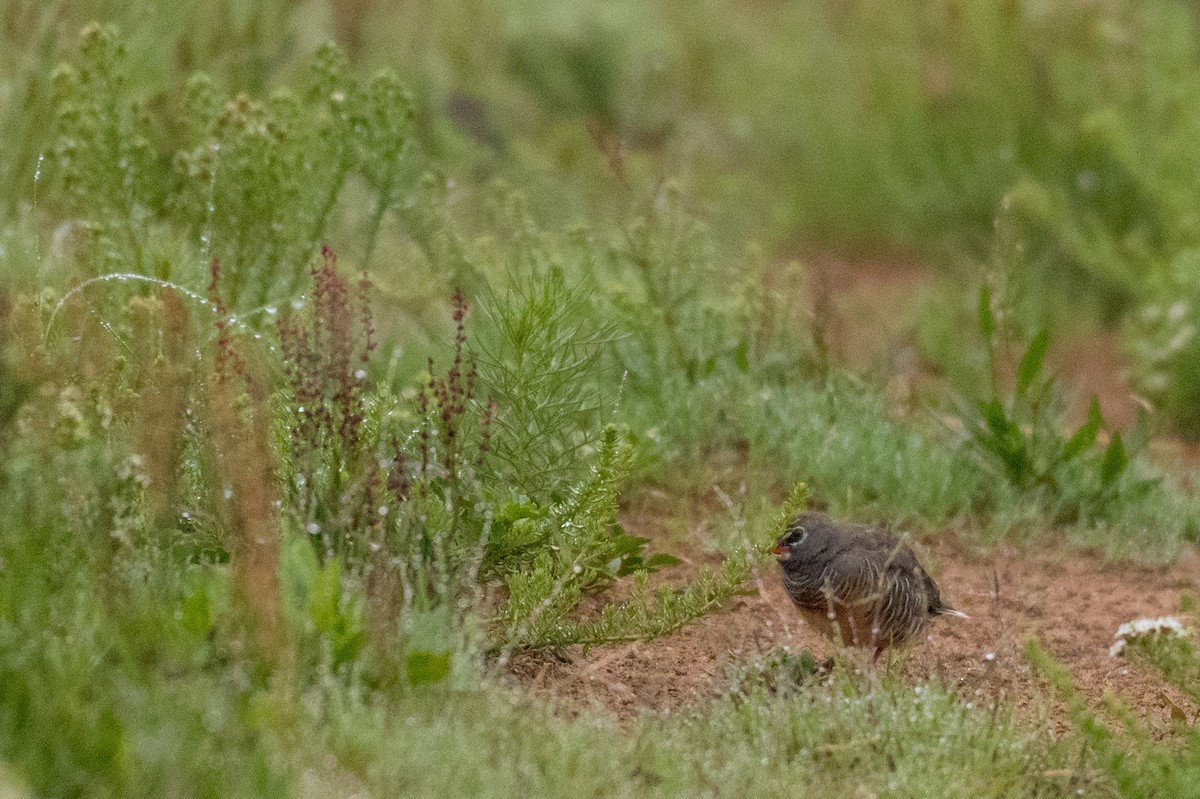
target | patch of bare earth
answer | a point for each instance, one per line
(864, 302)
(1069, 601)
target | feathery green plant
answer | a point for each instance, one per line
(575, 544)
(539, 356)
(253, 183)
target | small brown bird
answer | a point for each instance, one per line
(857, 584)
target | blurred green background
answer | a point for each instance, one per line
(844, 126)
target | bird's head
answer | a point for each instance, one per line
(799, 533)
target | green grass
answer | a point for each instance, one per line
(830, 739)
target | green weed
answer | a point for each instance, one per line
(1021, 433)
(1134, 759)
(255, 184)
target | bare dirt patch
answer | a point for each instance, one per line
(1071, 602)
(865, 303)
(1094, 365)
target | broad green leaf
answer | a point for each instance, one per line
(996, 418)
(741, 356)
(349, 641)
(662, 559)
(325, 597)
(987, 321)
(1031, 361)
(427, 668)
(1085, 436)
(197, 612)
(1115, 460)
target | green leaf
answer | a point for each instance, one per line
(996, 418)
(987, 321)
(1137, 438)
(741, 356)
(1085, 436)
(1115, 460)
(427, 668)
(1031, 361)
(662, 559)
(197, 613)
(325, 597)
(808, 664)
(625, 544)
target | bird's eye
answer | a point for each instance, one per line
(797, 536)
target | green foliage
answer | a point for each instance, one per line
(1021, 435)
(838, 436)
(781, 673)
(424, 509)
(1165, 351)
(576, 76)
(255, 184)
(840, 739)
(908, 125)
(578, 543)
(27, 38)
(1137, 761)
(104, 156)
(263, 180)
(326, 606)
(427, 668)
(538, 359)
(1114, 213)
(13, 390)
(430, 511)
(688, 318)
(645, 615)
(702, 334)
(106, 656)
(332, 470)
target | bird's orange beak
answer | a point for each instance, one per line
(781, 552)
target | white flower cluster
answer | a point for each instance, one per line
(1141, 628)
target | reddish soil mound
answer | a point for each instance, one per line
(1071, 602)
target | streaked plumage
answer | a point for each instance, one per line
(857, 584)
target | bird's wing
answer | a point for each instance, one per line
(903, 570)
(853, 578)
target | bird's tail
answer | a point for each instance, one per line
(945, 611)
